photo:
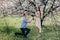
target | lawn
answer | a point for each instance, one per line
(10, 25)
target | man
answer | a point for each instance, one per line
(24, 29)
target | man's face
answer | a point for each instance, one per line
(26, 13)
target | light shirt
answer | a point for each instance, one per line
(24, 22)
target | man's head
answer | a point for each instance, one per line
(25, 13)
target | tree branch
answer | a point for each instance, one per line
(50, 10)
(44, 7)
(55, 8)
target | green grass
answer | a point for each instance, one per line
(7, 31)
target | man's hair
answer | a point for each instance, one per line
(24, 13)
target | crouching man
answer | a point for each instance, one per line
(24, 30)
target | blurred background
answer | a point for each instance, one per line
(11, 15)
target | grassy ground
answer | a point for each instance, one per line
(10, 25)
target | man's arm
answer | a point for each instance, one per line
(30, 20)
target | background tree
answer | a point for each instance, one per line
(16, 8)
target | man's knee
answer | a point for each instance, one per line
(27, 29)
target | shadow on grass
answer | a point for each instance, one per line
(9, 29)
(47, 33)
(9, 32)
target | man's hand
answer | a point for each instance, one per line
(29, 21)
